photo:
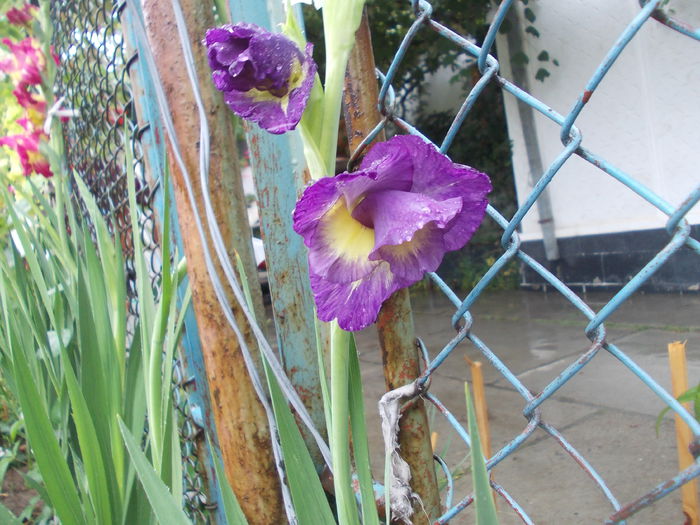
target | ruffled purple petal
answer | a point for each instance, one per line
(436, 176)
(410, 260)
(339, 245)
(265, 77)
(299, 95)
(268, 114)
(217, 34)
(275, 56)
(312, 206)
(382, 169)
(355, 304)
(409, 229)
(397, 215)
(377, 230)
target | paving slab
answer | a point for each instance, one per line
(622, 447)
(606, 382)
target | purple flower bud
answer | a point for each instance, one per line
(379, 229)
(264, 76)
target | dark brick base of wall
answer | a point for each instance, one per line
(611, 260)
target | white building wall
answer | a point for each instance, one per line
(644, 117)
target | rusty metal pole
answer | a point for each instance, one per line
(241, 423)
(395, 324)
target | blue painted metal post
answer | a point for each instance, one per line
(241, 423)
(278, 166)
(153, 145)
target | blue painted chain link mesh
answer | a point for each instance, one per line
(94, 76)
(572, 145)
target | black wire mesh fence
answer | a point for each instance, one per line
(93, 76)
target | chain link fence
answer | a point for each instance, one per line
(677, 226)
(94, 78)
(95, 65)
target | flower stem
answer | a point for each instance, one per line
(335, 76)
(340, 439)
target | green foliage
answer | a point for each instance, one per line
(483, 497)
(232, 509)
(66, 359)
(165, 506)
(541, 74)
(359, 440)
(427, 53)
(310, 502)
(690, 395)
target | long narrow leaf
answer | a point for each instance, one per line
(359, 440)
(54, 470)
(232, 509)
(165, 507)
(309, 499)
(93, 461)
(483, 497)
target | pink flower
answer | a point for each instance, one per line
(27, 148)
(25, 62)
(21, 16)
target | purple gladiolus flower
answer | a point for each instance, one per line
(379, 229)
(264, 76)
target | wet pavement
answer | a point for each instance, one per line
(605, 411)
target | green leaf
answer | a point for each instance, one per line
(93, 367)
(340, 440)
(165, 507)
(359, 440)
(541, 74)
(555, 62)
(692, 394)
(529, 15)
(90, 451)
(60, 485)
(232, 509)
(520, 59)
(483, 497)
(533, 31)
(506, 26)
(543, 56)
(309, 499)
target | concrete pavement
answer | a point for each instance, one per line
(605, 411)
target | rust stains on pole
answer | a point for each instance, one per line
(395, 324)
(243, 433)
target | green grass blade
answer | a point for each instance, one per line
(60, 485)
(359, 440)
(232, 509)
(483, 496)
(165, 507)
(93, 461)
(309, 499)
